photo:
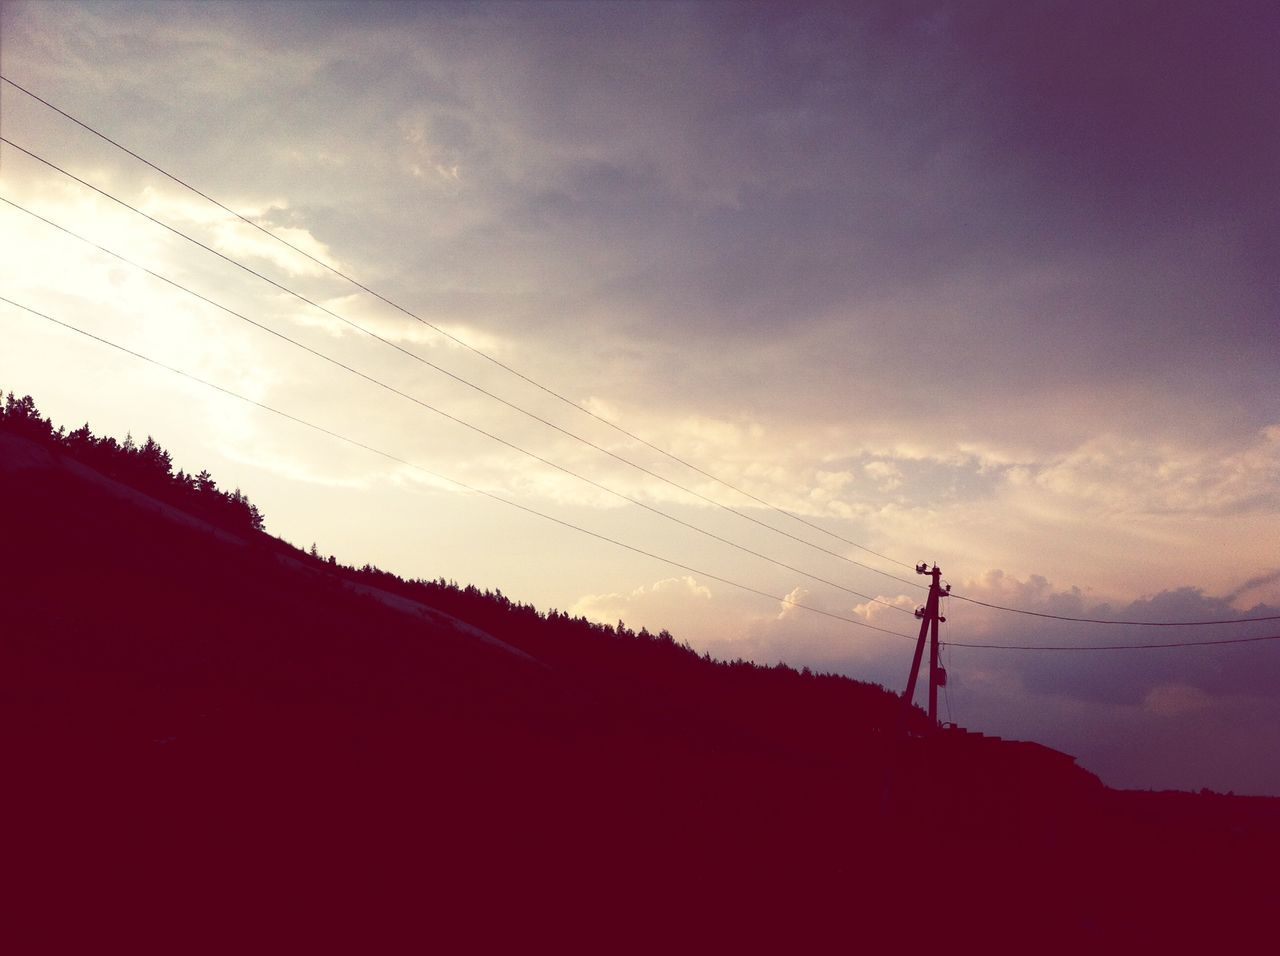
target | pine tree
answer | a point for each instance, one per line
(22, 416)
(154, 458)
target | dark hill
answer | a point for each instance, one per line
(214, 739)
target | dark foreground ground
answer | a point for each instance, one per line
(207, 747)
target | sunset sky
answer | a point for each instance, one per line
(995, 285)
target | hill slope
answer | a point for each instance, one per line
(212, 733)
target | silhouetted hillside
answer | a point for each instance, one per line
(213, 737)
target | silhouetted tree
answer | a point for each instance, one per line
(22, 416)
(155, 460)
(148, 467)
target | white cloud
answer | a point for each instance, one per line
(653, 606)
(428, 160)
(1116, 475)
(886, 475)
(790, 605)
(235, 238)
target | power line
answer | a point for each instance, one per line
(534, 455)
(453, 481)
(430, 364)
(1093, 620)
(486, 356)
(334, 270)
(1115, 647)
(669, 561)
(453, 418)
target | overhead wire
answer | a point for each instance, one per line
(669, 561)
(437, 368)
(457, 420)
(1116, 647)
(453, 418)
(453, 481)
(1093, 620)
(1121, 646)
(457, 340)
(334, 270)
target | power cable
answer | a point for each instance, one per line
(669, 561)
(482, 354)
(453, 481)
(553, 393)
(457, 420)
(1092, 620)
(453, 418)
(1116, 647)
(432, 365)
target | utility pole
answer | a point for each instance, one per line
(929, 619)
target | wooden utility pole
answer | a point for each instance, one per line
(929, 618)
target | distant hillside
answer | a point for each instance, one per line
(209, 731)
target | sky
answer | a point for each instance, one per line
(994, 285)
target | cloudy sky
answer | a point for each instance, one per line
(995, 285)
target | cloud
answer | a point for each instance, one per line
(791, 604)
(827, 199)
(1173, 700)
(428, 158)
(1126, 677)
(886, 476)
(1252, 585)
(653, 606)
(236, 239)
(1118, 476)
(794, 635)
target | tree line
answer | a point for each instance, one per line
(147, 467)
(654, 668)
(658, 670)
